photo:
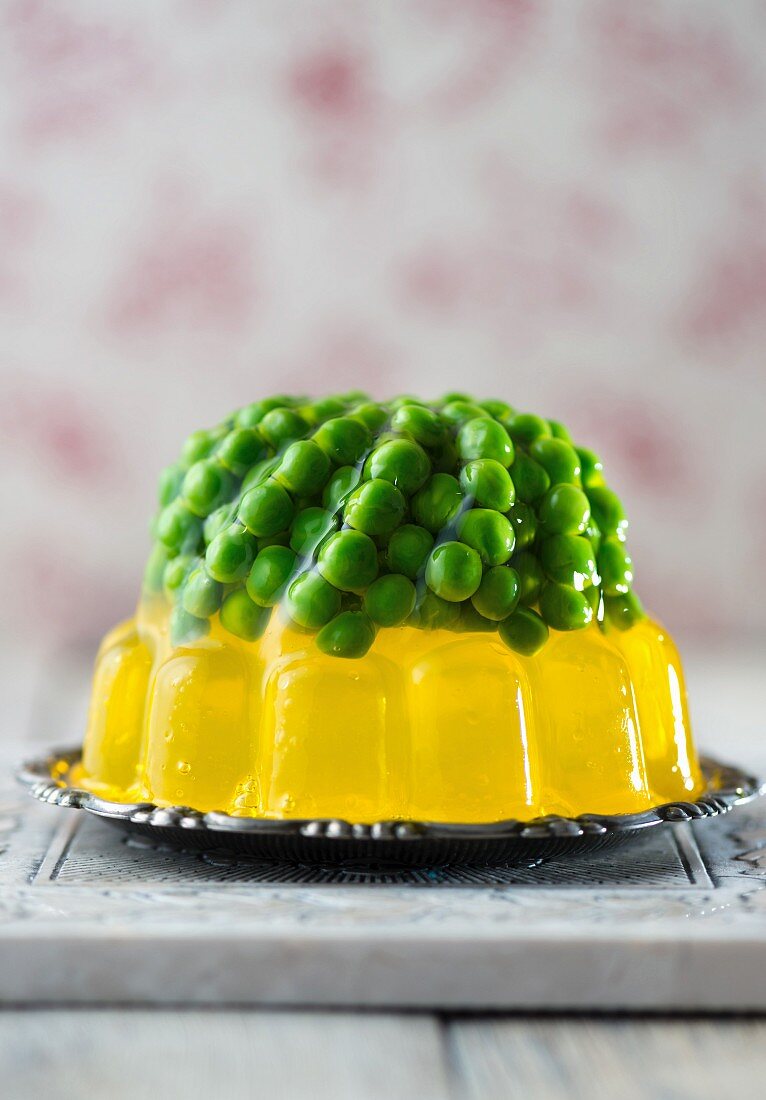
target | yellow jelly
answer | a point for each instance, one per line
(428, 725)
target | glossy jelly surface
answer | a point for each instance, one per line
(429, 724)
(389, 610)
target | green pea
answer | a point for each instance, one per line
(506, 421)
(489, 533)
(253, 414)
(453, 571)
(524, 632)
(341, 485)
(615, 567)
(408, 550)
(281, 426)
(592, 468)
(282, 538)
(564, 608)
(200, 444)
(269, 575)
(559, 431)
(219, 519)
(202, 594)
(175, 574)
(564, 510)
(524, 524)
(185, 628)
(326, 407)
(350, 601)
(471, 622)
(308, 415)
(531, 577)
(178, 528)
(498, 594)
(484, 438)
(559, 460)
(229, 556)
(311, 601)
(526, 428)
(343, 440)
(206, 486)
(443, 456)
(266, 509)
(433, 613)
(424, 425)
(488, 483)
(155, 568)
(171, 480)
(593, 535)
(595, 598)
(454, 395)
(608, 511)
(403, 399)
(375, 508)
(623, 611)
(304, 468)
(457, 411)
(349, 561)
(385, 435)
(404, 463)
(243, 618)
(371, 415)
(348, 635)
(390, 600)
(569, 559)
(240, 450)
(259, 473)
(529, 478)
(309, 528)
(499, 409)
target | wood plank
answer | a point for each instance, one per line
(587, 1059)
(71, 1054)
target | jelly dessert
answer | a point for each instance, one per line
(397, 610)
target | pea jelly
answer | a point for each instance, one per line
(389, 610)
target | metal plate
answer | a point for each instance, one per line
(407, 843)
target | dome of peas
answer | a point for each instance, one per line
(347, 516)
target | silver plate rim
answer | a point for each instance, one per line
(728, 786)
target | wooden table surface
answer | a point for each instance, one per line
(115, 1051)
(234, 1054)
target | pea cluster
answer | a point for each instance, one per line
(355, 515)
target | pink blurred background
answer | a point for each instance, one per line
(559, 204)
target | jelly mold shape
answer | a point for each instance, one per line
(432, 726)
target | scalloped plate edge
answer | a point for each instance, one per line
(728, 786)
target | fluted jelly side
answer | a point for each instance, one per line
(428, 725)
